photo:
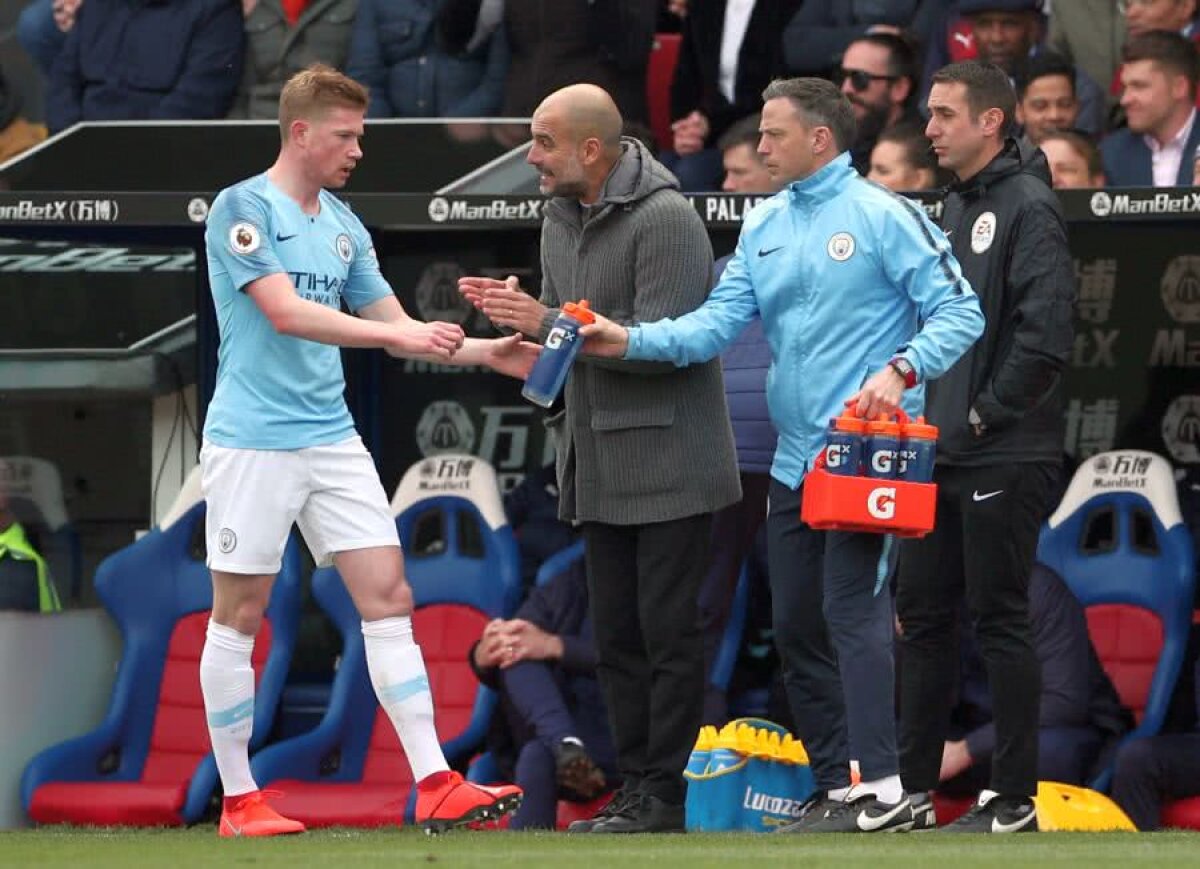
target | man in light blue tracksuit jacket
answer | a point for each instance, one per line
(860, 298)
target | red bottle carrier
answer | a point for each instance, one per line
(835, 502)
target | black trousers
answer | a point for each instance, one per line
(982, 547)
(833, 627)
(1150, 771)
(644, 581)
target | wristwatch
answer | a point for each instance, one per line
(905, 369)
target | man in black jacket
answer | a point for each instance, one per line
(1000, 415)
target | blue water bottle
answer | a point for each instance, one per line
(844, 445)
(881, 448)
(918, 448)
(553, 364)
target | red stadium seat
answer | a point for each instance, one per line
(1119, 542)
(149, 763)
(1184, 814)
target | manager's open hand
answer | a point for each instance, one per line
(504, 303)
(605, 338)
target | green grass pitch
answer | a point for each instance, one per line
(200, 846)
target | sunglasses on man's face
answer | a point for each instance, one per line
(859, 79)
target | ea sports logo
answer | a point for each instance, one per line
(881, 503)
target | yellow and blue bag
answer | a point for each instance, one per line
(751, 775)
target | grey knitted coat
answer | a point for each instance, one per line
(639, 442)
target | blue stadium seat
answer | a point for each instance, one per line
(1119, 542)
(461, 561)
(149, 762)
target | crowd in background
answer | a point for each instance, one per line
(1107, 89)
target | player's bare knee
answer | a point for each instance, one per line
(397, 599)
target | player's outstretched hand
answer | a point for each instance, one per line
(512, 356)
(415, 338)
(605, 338)
(504, 303)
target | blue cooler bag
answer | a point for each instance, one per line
(752, 775)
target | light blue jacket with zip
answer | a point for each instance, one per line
(846, 275)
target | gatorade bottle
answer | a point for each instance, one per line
(917, 451)
(844, 445)
(880, 448)
(554, 362)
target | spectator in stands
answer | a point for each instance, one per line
(556, 44)
(17, 134)
(745, 171)
(554, 732)
(744, 364)
(1046, 99)
(140, 61)
(1159, 76)
(1080, 718)
(25, 582)
(903, 160)
(730, 51)
(395, 51)
(1008, 33)
(822, 30)
(42, 29)
(1143, 16)
(1074, 160)
(532, 511)
(1089, 34)
(284, 37)
(1156, 769)
(879, 76)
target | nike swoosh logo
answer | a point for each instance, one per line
(237, 831)
(762, 252)
(975, 496)
(999, 826)
(279, 237)
(868, 823)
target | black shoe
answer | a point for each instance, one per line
(613, 807)
(994, 813)
(576, 771)
(816, 803)
(644, 814)
(864, 814)
(924, 818)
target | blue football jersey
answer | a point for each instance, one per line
(278, 392)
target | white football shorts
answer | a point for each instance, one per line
(331, 492)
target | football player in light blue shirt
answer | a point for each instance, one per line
(284, 255)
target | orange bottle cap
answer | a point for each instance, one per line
(848, 423)
(580, 312)
(920, 430)
(884, 426)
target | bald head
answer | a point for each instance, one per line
(586, 111)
